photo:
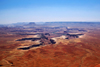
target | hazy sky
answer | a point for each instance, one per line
(12, 11)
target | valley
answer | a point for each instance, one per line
(52, 44)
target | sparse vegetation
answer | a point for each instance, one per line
(68, 50)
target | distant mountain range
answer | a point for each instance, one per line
(68, 24)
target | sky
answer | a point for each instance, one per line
(13, 11)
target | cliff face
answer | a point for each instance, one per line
(49, 46)
(84, 53)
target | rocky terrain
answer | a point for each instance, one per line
(49, 45)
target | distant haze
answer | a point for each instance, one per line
(13, 11)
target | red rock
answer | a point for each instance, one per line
(97, 65)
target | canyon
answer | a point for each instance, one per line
(52, 44)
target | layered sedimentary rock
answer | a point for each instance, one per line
(56, 46)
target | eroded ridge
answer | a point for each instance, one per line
(49, 46)
(49, 38)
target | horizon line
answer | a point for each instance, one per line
(52, 22)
